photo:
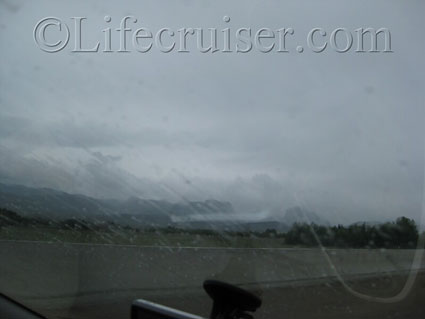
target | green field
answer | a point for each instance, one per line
(139, 238)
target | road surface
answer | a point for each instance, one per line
(100, 281)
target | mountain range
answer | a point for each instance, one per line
(58, 205)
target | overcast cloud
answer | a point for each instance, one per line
(342, 134)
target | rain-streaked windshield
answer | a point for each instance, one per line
(148, 146)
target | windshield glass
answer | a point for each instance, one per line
(146, 147)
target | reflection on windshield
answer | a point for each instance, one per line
(145, 149)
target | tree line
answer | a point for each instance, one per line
(401, 233)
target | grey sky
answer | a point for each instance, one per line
(342, 134)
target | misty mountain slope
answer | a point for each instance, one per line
(55, 204)
(50, 203)
(208, 214)
(297, 214)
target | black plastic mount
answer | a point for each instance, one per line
(230, 302)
